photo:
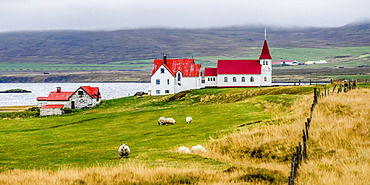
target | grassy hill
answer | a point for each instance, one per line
(250, 134)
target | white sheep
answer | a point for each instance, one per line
(198, 149)
(161, 121)
(124, 150)
(189, 120)
(170, 121)
(183, 149)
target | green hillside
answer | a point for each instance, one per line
(92, 137)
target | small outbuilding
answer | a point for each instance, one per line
(50, 110)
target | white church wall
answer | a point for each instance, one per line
(238, 82)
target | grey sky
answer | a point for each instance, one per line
(118, 14)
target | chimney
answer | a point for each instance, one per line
(165, 58)
(59, 89)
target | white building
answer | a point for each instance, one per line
(241, 73)
(83, 97)
(170, 76)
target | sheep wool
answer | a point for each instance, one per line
(124, 150)
(161, 121)
(198, 149)
(170, 121)
(189, 120)
(184, 149)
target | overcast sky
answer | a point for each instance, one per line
(127, 14)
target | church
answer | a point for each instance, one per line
(241, 73)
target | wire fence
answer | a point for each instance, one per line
(300, 154)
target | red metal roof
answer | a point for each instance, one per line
(210, 72)
(238, 67)
(92, 91)
(52, 106)
(265, 54)
(41, 98)
(59, 96)
(185, 66)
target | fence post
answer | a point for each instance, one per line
(334, 88)
(315, 95)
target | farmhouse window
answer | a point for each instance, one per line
(168, 81)
(162, 70)
(158, 91)
(225, 79)
(178, 77)
(234, 79)
(243, 79)
(167, 91)
(80, 92)
(158, 81)
(252, 79)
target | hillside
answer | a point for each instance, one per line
(250, 135)
(100, 47)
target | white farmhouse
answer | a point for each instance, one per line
(241, 73)
(83, 97)
(171, 76)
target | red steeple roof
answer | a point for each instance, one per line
(185, 66)
(238, 67)
(265, 54)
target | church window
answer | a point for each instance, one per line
(263, 62)
(225, 79)
(252, 79)
(162, 70)
(234, 79)
(214, 79)
(265, 79)
(243, 79)
(267, 62)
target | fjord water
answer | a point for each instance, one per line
(107, 91)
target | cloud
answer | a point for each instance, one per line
(115, 14)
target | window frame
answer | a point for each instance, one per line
(158, 81)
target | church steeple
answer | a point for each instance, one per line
(265, 54)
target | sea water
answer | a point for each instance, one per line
(107, 91)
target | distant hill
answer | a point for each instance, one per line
(73, 47)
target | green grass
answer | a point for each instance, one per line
(92, 137)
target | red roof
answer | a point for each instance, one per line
(59, 96)
(41, 98)
(185, 66)
(210, 72)
(238, 67)
(52, 106)
(265, 54)
(92, 91)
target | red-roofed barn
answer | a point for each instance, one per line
(241, 73)
(83, 97)
(171, 76)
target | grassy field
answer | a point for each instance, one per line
(249, 134)
(361, 54)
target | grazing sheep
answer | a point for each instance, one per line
(124, 150)
(189, 119)
(161, 121)
(170, 121)
(183, 149)
(198, 149)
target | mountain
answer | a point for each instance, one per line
(98, 47)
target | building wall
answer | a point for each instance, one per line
(51, 112)
(163, 86)
(66, 103)
(83, 100)
(238, 83)
(41, 103)
(266, 71)
(210, 81)
(187, 83)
